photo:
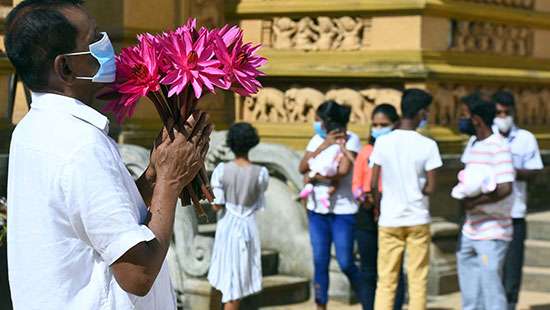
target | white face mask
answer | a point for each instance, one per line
(104, 52)
(504, 124)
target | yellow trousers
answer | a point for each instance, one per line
(392, 242)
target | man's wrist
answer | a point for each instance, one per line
(166, 189)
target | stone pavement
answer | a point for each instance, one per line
(528, 301)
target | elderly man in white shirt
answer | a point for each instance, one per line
(81, 233)
(527, 163)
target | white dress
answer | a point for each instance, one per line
(236, 268)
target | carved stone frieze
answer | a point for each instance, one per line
(486, 37)
(317, 34)
(298, 104)
(295, 104)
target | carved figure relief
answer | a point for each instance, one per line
(319, 34)
(360, 108)
(283, 30)
(485, 37)
(301, 104)
(265, 106)
(348, 33)
(305, 37)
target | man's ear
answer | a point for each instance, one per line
(62, 69)
(477, 121)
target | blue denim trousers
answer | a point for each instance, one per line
(338, 228)
(480, 266)
(367, 242)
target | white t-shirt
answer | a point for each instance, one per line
(491, 221)
(73, 211)
(342, 201)
(404, 156)
(525, 155)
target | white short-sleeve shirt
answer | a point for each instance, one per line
(525, 155)
(404, 156)
(341, 201)
(73, 210)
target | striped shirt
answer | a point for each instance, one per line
(490, 221)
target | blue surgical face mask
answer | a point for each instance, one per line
(466, 126)
(377, 132)
(318, 127)
(104, 52)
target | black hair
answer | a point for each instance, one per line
(505, 98)
(335, 116)
(388, 110)
(477, 105)
(242, 137)
(36, 33)
(414, 100)
(322, 109)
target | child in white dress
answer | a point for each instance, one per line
(239, 187)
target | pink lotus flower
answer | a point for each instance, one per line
(190, 63)
(240, 62)
(137, 75)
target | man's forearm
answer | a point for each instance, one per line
(137, 270)
(497, 195)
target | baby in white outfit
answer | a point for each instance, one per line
(474, 181)
(325, 164)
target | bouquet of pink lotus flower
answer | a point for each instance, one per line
(174, 69)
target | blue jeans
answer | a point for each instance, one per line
(367, 241)
(480, 265)
(323, 230)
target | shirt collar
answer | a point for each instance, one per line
(511, 136)
(72, 106)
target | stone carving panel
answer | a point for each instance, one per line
(485, 37)
(520, 4)
(317, 34)
(296, 104)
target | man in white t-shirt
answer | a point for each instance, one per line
(408, 161)
(527, 163)
(487, 229)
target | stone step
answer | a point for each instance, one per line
(536, 279)
(270, 262)
(537, 253)
(208, 230)
(281, 290)
(538, 226)
(277, 290)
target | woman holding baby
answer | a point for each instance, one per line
(331, 207)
